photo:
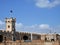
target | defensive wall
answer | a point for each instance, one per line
(33, 42)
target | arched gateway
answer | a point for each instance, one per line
(1, 38)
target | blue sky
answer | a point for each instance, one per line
(32, 15)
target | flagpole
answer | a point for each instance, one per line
(31, 36)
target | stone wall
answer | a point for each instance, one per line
(34, 42)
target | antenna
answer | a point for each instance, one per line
(49, 31)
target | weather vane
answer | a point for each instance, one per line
(11, 12)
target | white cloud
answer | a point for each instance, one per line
(1, 22)
(44, 26)
(47, 3)
(2, 25)
(19, 24)
(32, 28)
(41, 28)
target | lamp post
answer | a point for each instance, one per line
(20, 38)
(4, 40)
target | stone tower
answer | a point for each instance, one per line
(10, 24)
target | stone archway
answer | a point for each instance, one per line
(1, 38)
(25, 37)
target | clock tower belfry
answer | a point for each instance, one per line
(10, 24)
